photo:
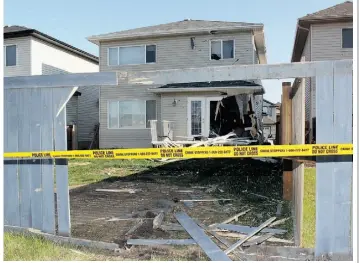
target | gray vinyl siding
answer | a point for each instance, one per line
(176, 52)
(72, 110)
(326, 44)
(306, 57)
(125, 138)
(178, 114)
(23, 57)
(171, 53)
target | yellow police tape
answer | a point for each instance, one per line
(196, 152)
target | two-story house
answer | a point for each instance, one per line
(269, 119)
(30, 52)
(323, 35)
(126, 109)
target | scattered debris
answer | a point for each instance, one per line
(185, 191)
(258, 240)
(262, 196)
(158, 220)
(279, 210)
(255, 231)
(172, 227)
(272, 239)
(157, 242)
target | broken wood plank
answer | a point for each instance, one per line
(258, 240)
(157, 221)
(248, 229)
(131, 191)
(235, 217)
(139, 223)
(197, 233)
(255, 231)
(279, 222)
(157, 242)
(205, 200)
(238, 235)
(172, 227)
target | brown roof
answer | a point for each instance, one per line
(339, 10)
(339, 13)
(21, 31)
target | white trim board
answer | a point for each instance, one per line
(236, 72)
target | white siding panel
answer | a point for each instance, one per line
(176, 52)
(23, 57)
(48, 59)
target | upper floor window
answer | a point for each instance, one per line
(347, 38)
(222, 49)
(131, 55)
(10, 55)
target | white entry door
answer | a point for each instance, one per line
(198, 115)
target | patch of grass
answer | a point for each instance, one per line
(19, 247)
(90, 171)
(308, 234)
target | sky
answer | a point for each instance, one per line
(72, 21)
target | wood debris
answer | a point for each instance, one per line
(235, 217)
(125, 190)
(139, 222)
(157, 221)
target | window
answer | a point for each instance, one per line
(133, 114)
(222, 49)
(347, 38)
(10, 55)
(265, 109)
(131, 55)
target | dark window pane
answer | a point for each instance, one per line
(150, 111)
(228, 49)
(347, 38)
(150, 54)
(10, 55)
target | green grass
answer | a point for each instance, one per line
(308, 234)
(90, 171)
(19, 247)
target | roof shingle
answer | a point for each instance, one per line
(341, 10)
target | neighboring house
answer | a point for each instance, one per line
(269, 119)
(323, 35)
(30, 52)
(126, 109)
(277, 111)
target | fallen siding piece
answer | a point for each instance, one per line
(255, 231)
(248, 229)
(156, 242)
(258, 240)
(157, 221)
(272, 239)
(131, 191)
(235, 217)
(61, 240)
(208, 246)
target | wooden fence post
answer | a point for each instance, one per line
(286, 138)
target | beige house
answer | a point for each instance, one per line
(125, 110)
(29, 52)
(323, 35)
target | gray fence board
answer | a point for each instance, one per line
(24, 146)
(62, 189)
(343, 133)
(325, 168)
(47, 168)
(11, 186)
(35, 169)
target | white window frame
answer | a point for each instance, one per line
(118, 54)
(16, 60)
(221, 40)
(118, 120)
(341, 39)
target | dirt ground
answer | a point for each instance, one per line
(108, 216)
